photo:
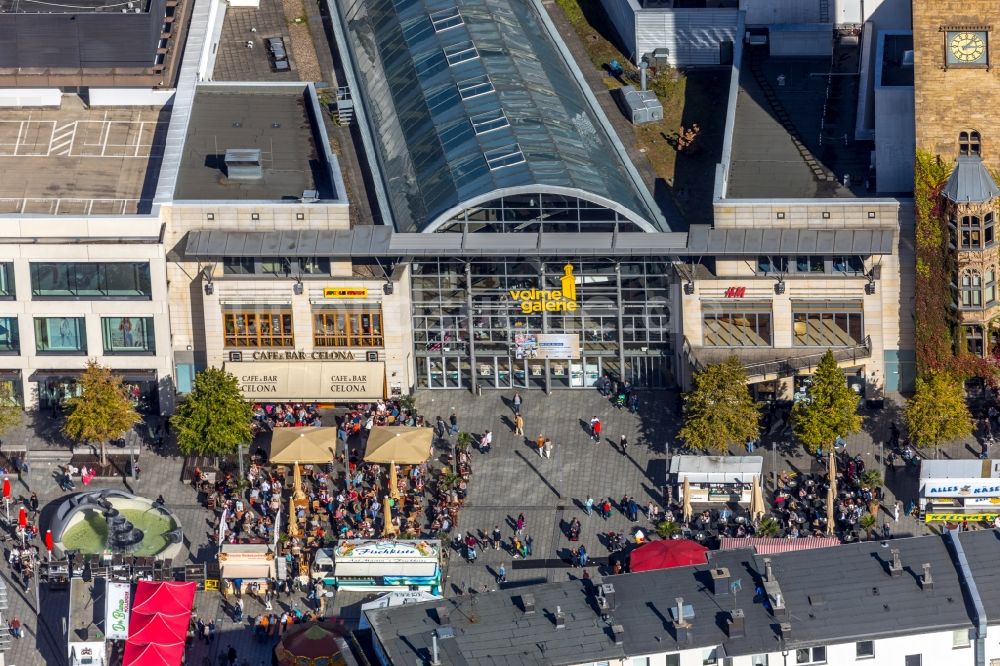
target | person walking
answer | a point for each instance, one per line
(518, 425)
(633, 509)
(595, 428)
(895, 512)
(453, 420)
(485, 442)
(231, 655)
(516, 403)
(540, 445)
(15, 627)
(440, 428)
(502, 575)
(496, 537)
(588, 506)
(582, 555)
(519, 524)
(623, 444)
(606, 509)
(548, 447)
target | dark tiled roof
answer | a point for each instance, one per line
(831, 595)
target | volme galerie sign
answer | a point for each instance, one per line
(311, 381)
(963, 488)
(119, 602)
(549, 300)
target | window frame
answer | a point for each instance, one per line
(15, 336)
(811, 658)
(90, 280)
(81, 333)
(146, 325)
(233, 338)
(960, 634)
(8, 285)
(869, 654)
(353, 318)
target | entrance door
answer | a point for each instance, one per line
(504, 372)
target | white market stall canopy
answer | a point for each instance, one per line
(715, 469)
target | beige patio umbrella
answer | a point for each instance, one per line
(832, 469)
(305, 445)
(387, 527)
(402, 444)
(830, 499)
(393, 481)
(293, 521)
(756, 500)
(688, 513)
(297, 492)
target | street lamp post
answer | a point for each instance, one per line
(239, 450)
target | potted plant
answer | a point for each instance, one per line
(464, 441)
(872, 480)
(867, 523)
(667, 529)
(768, 527)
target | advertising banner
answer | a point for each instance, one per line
(546, 345)
(958, 488)
(119, 603)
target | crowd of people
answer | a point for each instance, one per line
(269, 415)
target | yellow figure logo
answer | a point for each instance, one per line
(568, 283)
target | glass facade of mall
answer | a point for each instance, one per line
(478, 321)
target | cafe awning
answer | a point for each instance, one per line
(246, 570)
(307, 381)
(400, 444)
(304, 445)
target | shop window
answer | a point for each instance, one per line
(128, 335)
(827, 324)
(359, 326)
(816, 655)
(972, 289)
(259, 327)
(6, 281)
(92, 280)
(10, 342)
(971, 233)
(852, 265)
(805, 264)
(237, 266)
(743, 325)
(60, 335)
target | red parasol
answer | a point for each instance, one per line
(667, 554)
(22, 517)
(48, 540)
(6, 488)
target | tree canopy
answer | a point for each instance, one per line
(103, 410)
(938, 412)
(11, 412)
(719, 411)
(830, 409)
(213, 419)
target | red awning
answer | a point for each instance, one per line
(158, 625)
(772, 545)
(667, 554)
(168, 598)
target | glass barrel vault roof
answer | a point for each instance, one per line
(469, 98)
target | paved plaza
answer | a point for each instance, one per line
(511, 479)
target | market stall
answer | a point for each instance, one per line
(952, 491)
(371, 565)
(243, 564)
(714, 478)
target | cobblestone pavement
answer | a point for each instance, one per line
(509, 480)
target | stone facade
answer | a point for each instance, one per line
(951, 99)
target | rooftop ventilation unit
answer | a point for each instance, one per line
(244, 164)
(640, 106)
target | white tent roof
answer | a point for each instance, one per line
(716, 469)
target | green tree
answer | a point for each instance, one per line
(830, 409)
(103, 410)
(213, 419)
(11, 412)
(719, 411)
(937, 412)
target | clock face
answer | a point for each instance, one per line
(966, 47)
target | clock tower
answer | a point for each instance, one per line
(956, 71)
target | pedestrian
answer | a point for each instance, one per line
(516, 402)
(439, 426)
(606, 509)
(895, 511)
(15, 627)
(886, 533)
(519, 524)
(238, 610)
(633, 509)
(501, 575)
(582, 555)
(588, 506)
(595, 428)
(750, 445)
(485, 441)
(231, 655)
(527, 545)
(267, 601)
(519, 425)
(548, 447)
(633, 403)
(211, 631)
(623, 444)
(496, 537)
(453, 420)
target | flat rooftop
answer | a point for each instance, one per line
(277, 121)
(793, 136)
(78, 161)
(76, 7)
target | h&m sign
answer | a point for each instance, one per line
(736, 292)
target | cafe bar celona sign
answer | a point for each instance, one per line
(310, 381)
(549, 300)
